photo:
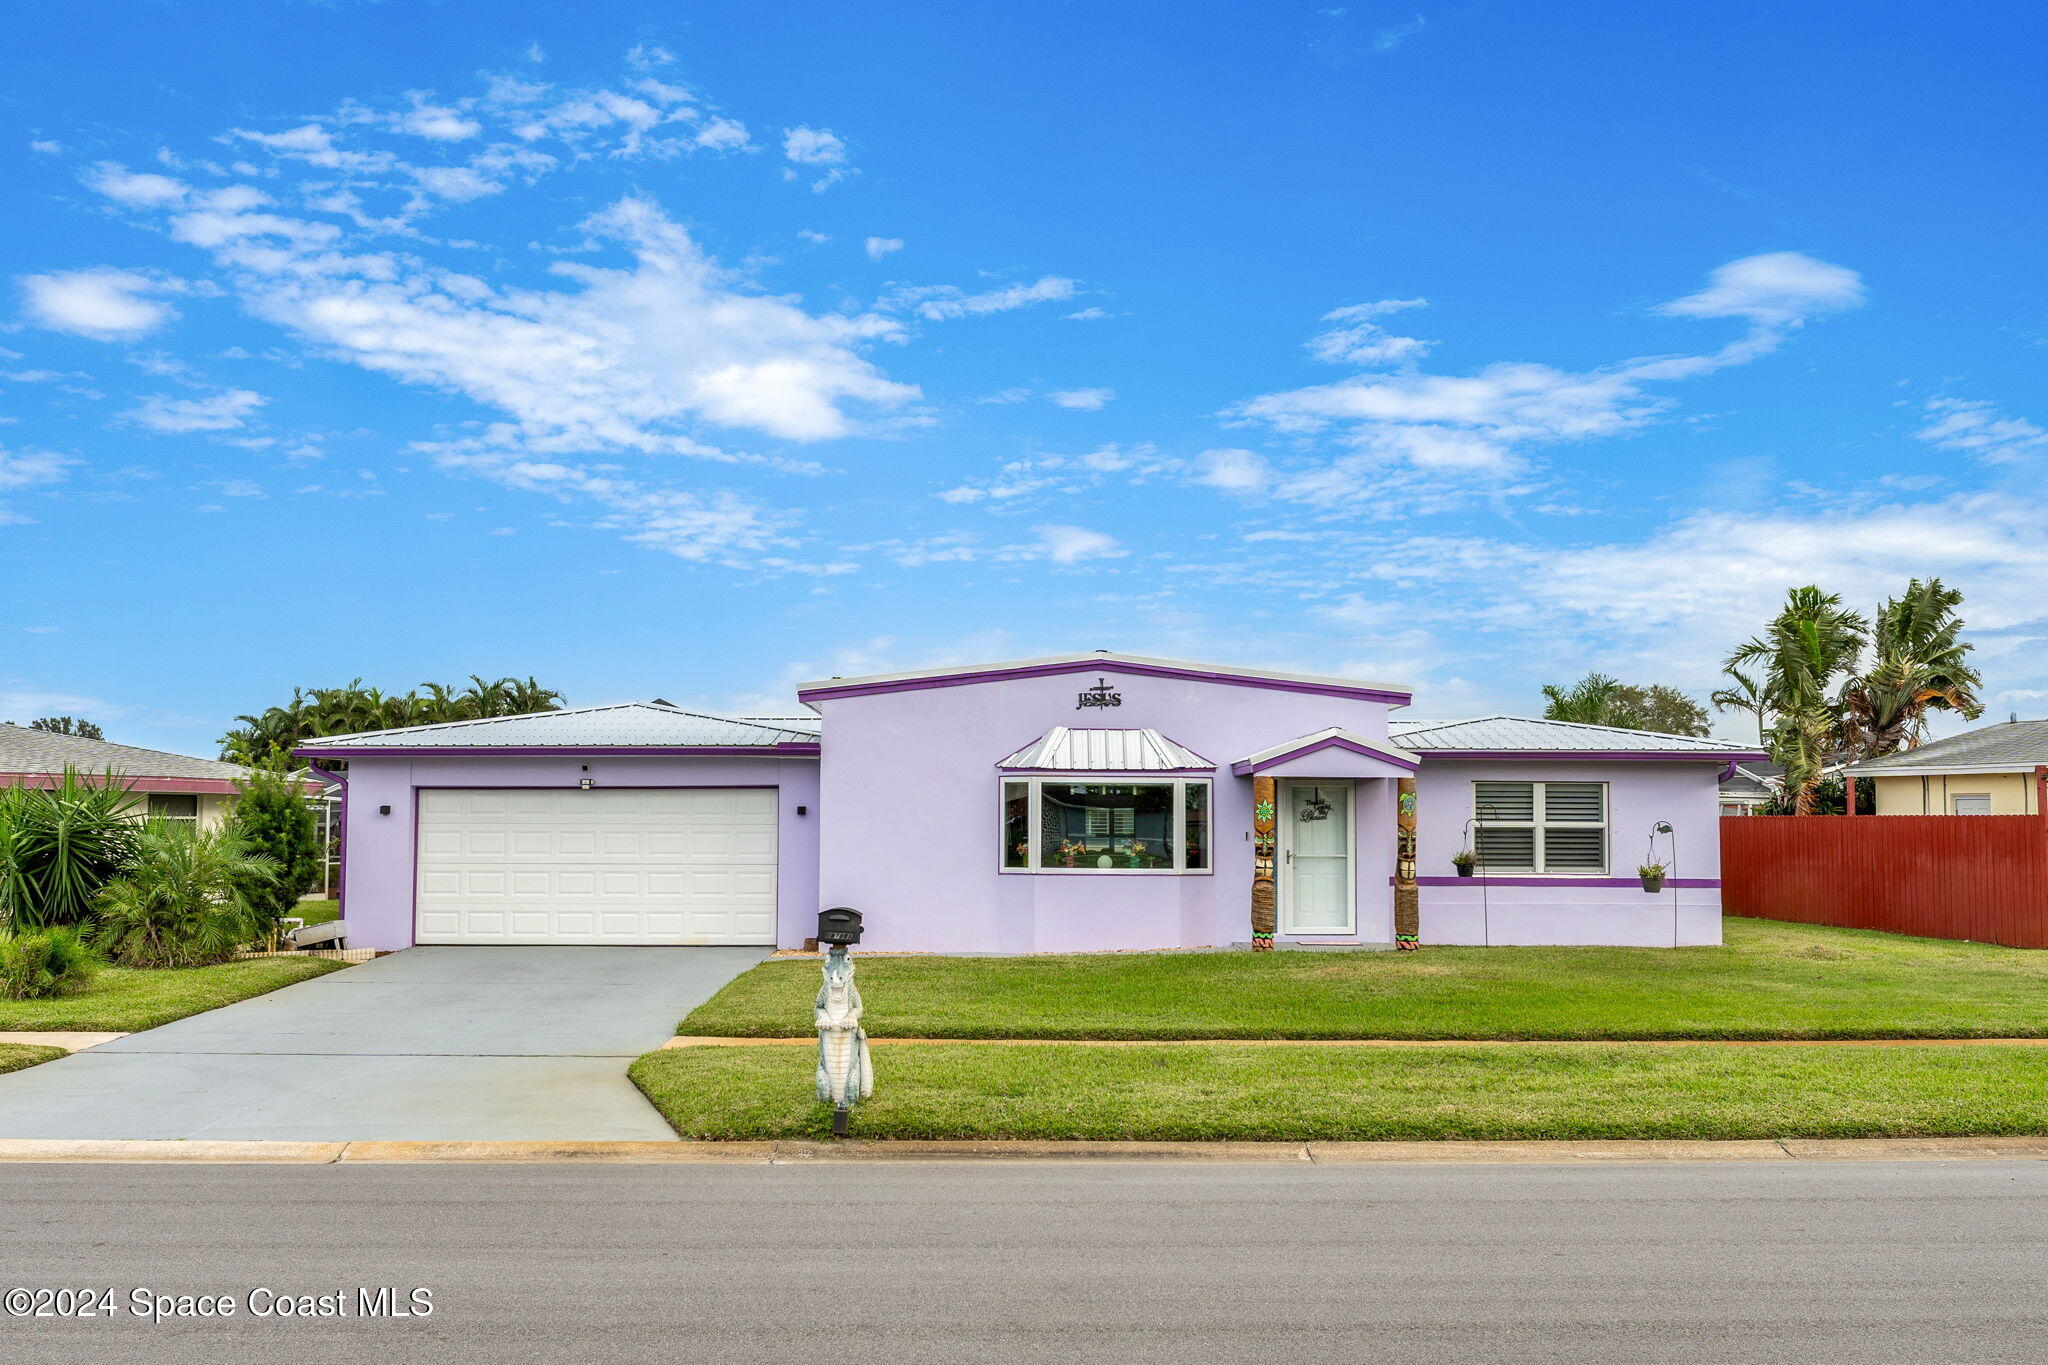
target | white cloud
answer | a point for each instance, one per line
(1979, 429)
(32, 468)
(1387, 39)
(1777, 289)
(438, 122)
(223, 411)
(1478, 426)
(458, 183)
(1083, 400)
(137, 189)
(1233, 470)
(814, 238)
(720, 134)
(1359, 340)
(939, 303)
(44, 147)
(104, 303)
(1072, 544)
(878, 247)
(813, 146)
(1089, 315)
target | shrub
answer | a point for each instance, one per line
(60, 845)
(275, 819)
(181, 901)
(38, 963)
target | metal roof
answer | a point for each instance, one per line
(630, 725)
(2015, 746)
(1333, 736)
(1101, 658)
(27, 750)
(1524, 734)
(1065, 749)
(1748, 782)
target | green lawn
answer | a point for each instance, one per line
(15, 1056)
(122, 1000)
(1772, 980)
(318, 912)
(1220, 1091)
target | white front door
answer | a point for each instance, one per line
(1315, 844)
(615, 865)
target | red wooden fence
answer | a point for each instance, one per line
(1980, 877)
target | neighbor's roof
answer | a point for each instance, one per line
(630, 725)
(1139, 664)
(1747, 782)
(1066, 749)
(27, 750)
(1526, 735)
(2013, 747)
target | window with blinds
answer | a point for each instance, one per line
(1550, 828)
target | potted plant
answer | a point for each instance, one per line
(1464, 860)
(1653, 877)
(1137, 852)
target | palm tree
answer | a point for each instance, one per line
(1595, 699)
(1744, 694)
(1918, 665)
(1813, 640)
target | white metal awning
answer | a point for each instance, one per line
(1066, 749)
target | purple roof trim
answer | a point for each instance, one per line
(1690, 883)
(965, 677)
(1599, 755)
(1085, 775)
(786, 749)
(1245, 769)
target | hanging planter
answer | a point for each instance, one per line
(1464, 861)
(1653, 877)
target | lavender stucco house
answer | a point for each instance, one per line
(1091, 801)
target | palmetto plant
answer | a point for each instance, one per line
(59, 845)
(183, 900)
(1919, 664)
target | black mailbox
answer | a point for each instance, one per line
(839, 925)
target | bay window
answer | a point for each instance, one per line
(1548, 828)
(1081, 824)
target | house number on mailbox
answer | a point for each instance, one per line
(1099, 695)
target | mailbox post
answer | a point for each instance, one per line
(845, 1075)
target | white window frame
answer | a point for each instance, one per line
(1033, 865)
(198, 808)
(1537, 823)
(1956, 797)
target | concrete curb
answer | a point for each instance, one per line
(914, 1152)
(70, 1042)
(686, 1041)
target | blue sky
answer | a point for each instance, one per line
(693, 350)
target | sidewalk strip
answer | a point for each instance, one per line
(919, 1152)
(707, 1041)
(70, 1042)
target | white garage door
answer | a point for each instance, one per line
(618, 865)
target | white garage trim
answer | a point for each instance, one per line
(616, 865)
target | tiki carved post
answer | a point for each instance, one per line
(1407, 897)
(1265, 826)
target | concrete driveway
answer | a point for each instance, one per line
(431, 1043)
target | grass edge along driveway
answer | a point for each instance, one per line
(15, 1056)
(1217, 1092)
(127, 1000)
(1771, 980)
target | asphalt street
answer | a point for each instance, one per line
(1808, 1263)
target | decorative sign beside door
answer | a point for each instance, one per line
(1102, 694)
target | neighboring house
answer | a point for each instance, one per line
(173, 786)
(1986, 771)
(1084, 802)
(1750, 785)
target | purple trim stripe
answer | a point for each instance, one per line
(1138, 774)
(1244, 768)
(1598, 755)
(830, 692)
(787, 749)
(1690, 883)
